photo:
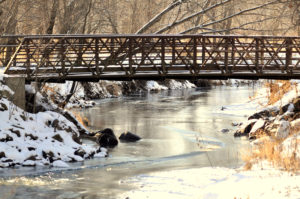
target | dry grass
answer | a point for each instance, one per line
(278, 89)
(82, 120)
(271, 151)
(50, 92)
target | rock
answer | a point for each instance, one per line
(296, 116)
(109, 131)
(106, 138)
(58, 138)
(31, 148)
(3, 107)
(257, 129)
(235, 124)
(271, 128)
(264, 114)
(261, 114)
(287, 116)
(55, 125)
(31, 136)
(296, 103)
(285, 108)
(33, 158)
(101, 152)
(283, 130)
(7, 160)
(76, 138)
(2, 155)
(129, 137)
(48, 155)
(80, 152)
(245, 129)
(225, 130)
(6, 139)
(24, 118)
(17, 132)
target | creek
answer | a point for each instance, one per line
(180, 129)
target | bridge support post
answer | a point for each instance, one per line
(17, 85)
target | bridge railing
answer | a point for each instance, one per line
(153, 56)
(8, 45)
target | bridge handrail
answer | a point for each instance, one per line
(161, 55)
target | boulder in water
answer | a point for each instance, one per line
(129, 137)
(107, 138)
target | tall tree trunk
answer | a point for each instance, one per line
(53, 15)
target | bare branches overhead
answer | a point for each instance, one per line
(229, 17)
(150, 16)
(160, 15)
(192, 16)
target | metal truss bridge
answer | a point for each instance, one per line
(57, 58)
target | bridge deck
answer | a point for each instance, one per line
(56, 58)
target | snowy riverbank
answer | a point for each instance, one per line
(262, 179)
(215, 183)
(44, 138)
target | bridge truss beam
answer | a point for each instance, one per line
(56, 58)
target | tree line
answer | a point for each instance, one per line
(246, 17)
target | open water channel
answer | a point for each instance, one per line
(179, 129)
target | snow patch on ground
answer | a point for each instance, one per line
(215, 183)
(59, 163)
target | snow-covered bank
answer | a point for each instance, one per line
(85, 92)
(215, 183)
(45, 138)
(264, 177)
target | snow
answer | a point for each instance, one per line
(45, 138)
(295, 124)
(153, 85)
(283, 130)
(214, 183)
(291, 108)
(173, 84)
(259, 124)
(100, 155)
(59, 163)
(29, 163)
(291, 147)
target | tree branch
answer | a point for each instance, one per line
(213, 31)
(160, 15)
(191, 16)
(231, 16)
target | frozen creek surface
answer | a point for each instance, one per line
(181, 129)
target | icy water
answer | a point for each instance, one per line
(180, 129)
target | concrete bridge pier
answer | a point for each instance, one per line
(17, 85)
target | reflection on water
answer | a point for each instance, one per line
(180, 129)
